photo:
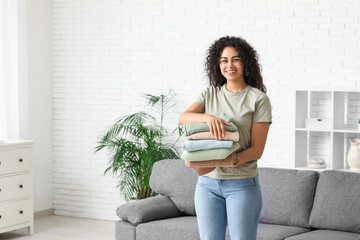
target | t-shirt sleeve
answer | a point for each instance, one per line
(202, 98)
(262, 111)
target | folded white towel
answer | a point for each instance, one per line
(317, 161)
(317, 166)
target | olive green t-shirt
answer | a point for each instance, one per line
(243, 108)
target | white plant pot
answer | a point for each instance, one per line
(353, 157)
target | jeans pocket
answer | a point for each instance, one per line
(206, 181)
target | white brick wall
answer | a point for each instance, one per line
(319, 147)
(107, 53)
(353, 109)
(321, 105)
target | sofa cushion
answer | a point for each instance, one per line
(287, 196)
(171, 177)
(180, 228)
(326, 235)
(277, 232)
(337, 202)
(148, 209)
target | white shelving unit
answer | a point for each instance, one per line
(328, 142)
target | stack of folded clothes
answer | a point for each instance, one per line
(201, 146)
(317, 163)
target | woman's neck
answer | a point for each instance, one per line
(235, 86)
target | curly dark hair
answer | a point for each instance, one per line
(248, 56)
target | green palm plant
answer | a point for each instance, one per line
(135, 142)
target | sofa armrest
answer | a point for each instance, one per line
(148, 209)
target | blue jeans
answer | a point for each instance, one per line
(233, 202)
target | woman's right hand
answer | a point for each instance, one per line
(216, 126)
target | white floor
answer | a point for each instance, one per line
(65, 228)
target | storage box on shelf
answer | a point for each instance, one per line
(325, 120)
(16, 191)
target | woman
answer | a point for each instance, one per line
(228, 191)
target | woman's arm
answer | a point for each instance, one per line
(259, 132)
(195, 114)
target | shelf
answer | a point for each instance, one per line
(313, 130)
(313, 169)
(347, 130)
(326, 169)
(342, 108)
(350, 130)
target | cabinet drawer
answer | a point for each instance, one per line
(13, 213)
(14, 160)
(14, 187)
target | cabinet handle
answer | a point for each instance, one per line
(21, 211)
(20, 186)
(20, 160)
(0, 216)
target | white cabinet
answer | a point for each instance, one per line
(16, 190)
(325, 120)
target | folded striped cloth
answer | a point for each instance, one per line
(232, 136)
(195, 145)
(192, 128)
(209, 154)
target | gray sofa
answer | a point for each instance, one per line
(297, 205)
